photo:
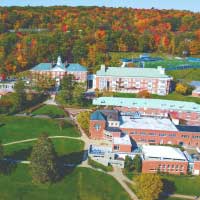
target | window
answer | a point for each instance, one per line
(116, 147)
(97, 127)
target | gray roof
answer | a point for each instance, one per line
(131, 72)
(148, 103)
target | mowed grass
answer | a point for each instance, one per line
(62, 146)
(21, 128)
(80, 184)
(188, 185)
(186, 74)
(70, 150)
(50, 110)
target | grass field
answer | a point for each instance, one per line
(185, 184)
(169, 61)
(80, 184)
(69, 150)
(21, 128)
(51, 110)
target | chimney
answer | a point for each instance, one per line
(161, 70)
(59, 61)
(103, 67)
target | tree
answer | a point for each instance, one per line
(78, 94)
(43, 160)
(144, 94)
(67, 88)
(148, 186)
(129, 165)
(79, 50)
(83, 119)
(20, 95)
(137, 163)
(183, 88)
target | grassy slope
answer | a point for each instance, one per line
(70, 150)
(21, 128)
(185, 184)
(49, 110)
(81, 184)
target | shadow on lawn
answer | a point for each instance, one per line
(66, 163)
(7, 167)
(168, 188)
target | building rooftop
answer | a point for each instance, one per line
(131, 72)
(148, 123)
(162, 153)
(147, 103)
(97, 115)
(59, 66)
(197, 90)
(122, 140)
(195, 129)
(195, 84)
(111, 115)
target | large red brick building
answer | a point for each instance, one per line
(132, 80)
(182, 110)
(164, 159)
(59, 70)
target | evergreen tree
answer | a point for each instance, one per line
(128, 165)
(20, 95)
(43, 165)
(67, 88)
(137, 163)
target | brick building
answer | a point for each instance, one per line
(132, 80)
(59, 70)
(164, 159)
(142, 129)
(184, 111)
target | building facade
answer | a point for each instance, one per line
(132, 80)
(59, 70)
(184, 111)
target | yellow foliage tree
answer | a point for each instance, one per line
(148, 186)
(181, 88)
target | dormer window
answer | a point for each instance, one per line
(97, 127)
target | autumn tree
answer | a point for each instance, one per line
(83, 119)
(148, 186)
(143, 94)
(43, 160)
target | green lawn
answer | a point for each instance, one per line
(169, 61)
(21, 128)
(185, 184)
(80, 184)
(187, 74)
(51, 110)
(69, 150)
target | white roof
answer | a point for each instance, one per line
(197, 90)
(122, 140)
(162, 153)
(150, 123)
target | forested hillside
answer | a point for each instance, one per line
(87, 34)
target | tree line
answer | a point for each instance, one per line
(87, 34)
